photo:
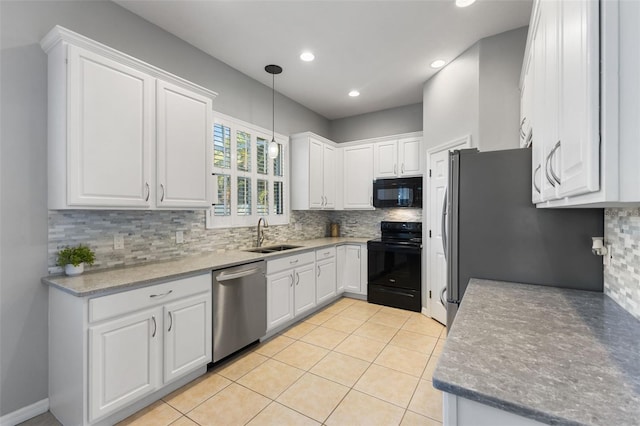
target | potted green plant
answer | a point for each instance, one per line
(74, 258)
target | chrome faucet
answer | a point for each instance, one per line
(260, 238)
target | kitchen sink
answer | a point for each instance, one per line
(272, 249)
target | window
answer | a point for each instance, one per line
(249, 183)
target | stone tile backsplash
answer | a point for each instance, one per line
(622, 277)
(149, 236)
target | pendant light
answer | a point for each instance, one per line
(273, 145)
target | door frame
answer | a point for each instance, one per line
(462, 142)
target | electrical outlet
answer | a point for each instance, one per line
(179, 237)
(298, 226)
(606, 259)
(118, 242)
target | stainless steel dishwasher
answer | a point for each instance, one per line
(239, 307)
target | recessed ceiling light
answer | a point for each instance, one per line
(307, 56)
(354, 93)
(438, 64)
(464, 3)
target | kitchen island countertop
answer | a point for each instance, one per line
(554, 355)
(116, 279)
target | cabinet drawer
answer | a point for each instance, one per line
(290, 262)
(104, 307)
(325, 253)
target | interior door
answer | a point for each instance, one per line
(435, 259)
(437, 264)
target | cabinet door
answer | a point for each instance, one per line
(123, 361)
(410, 154)
(579, 152)
(316, 174)
(358, 177)
(279, 298)
(352, 269)
(326, 279)
(187, 336)
(385, 159)
(184, 148)
(329, 176)
(110, 132)
(304, 288)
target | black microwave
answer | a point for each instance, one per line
(400, 192)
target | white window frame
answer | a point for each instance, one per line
(234, 220)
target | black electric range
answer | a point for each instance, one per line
(395, 266)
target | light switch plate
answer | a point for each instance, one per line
(179, 237)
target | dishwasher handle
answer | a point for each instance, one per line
(226, 276)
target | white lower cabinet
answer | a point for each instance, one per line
(124, 355)
(304, 289)
(354, 271)
(110, 352)
(279, 298)
(186, 332)
(325, 274)
(459, 411)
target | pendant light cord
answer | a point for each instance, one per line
(273, 107)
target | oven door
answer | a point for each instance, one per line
(394, 265)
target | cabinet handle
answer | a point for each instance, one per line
(370, 200)
(318, 270)
(153, 296)
(297, 278)
(293, 262)
(534, 178)
(546, 170)
(155, 325)
(553, 152)
(358, 253)
(170, 321)
(162, 197)
(291, 284)
(522, 134)
(402, 169)
(146, 185)
(395, 167)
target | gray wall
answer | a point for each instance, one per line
(450, 103)
(393, 121)
(477, 94)
(500, 64)
(23, 208)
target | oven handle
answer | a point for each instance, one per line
(382, 247)
(444, 224)
(404, 293)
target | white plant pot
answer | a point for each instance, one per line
(71, 270)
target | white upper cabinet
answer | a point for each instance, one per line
(358, 177)
(580, 80)
(123, 134)
(185, 148)
(398, 158)
(315, 172)
(109, 134)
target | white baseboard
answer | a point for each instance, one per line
(25, 413)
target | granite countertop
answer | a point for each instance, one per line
(110, 280)
(554, 355)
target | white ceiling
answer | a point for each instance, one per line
(381, 48)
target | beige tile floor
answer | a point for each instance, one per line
(352, 363)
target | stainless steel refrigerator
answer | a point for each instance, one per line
(493, 231)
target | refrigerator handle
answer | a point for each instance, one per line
(444, 224)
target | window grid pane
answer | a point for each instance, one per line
(263, 197)
(278, 198)
(278, 162)
(244, 196)
(223, 208)
(243, 146)
(221, 146)
(262, 151)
